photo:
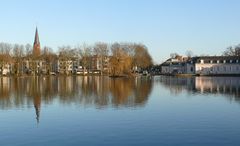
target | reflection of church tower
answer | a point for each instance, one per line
(37, 106)
(36, 45)
(36, 94)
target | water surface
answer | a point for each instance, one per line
(104, 111)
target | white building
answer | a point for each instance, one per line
(214, 65)
(204, 65)
(173, 66)
(6, 69)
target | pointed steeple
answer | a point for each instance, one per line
(36, 40)
(36, 44)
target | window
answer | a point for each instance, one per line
(218, 61)
(191, 69)
(224, 61)
(211, 69)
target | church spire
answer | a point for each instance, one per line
(36, 40)
(36, 45)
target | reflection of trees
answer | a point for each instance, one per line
(88, 90)
(104, 91)
(5, 92)
(143, 88)
(228, 86)
(121, 89)
(130, 91)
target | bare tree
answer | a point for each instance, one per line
(232, 51)
(47, 50)
(28, 49)
(142, 58)
(5, 57)
(174, 55)
(18, 54)
(101, 50)
(86, 54)
(189, 53)
(5, 48)
(120, 61)
(50, 58)
(65, 58)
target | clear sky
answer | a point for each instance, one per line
(165, 26)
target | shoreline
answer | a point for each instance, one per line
(126, 76)
(202, 75)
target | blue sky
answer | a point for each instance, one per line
(165, 26)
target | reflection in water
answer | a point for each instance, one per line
(103, 92)
(228, 86)
(95, 90)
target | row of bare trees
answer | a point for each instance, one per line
(232, 51)
(120, 58)
(16, 53)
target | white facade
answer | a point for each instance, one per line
(203, 68)
(217, 65)
(173, 68)
(6, 69)
(208, 65)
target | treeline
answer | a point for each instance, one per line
(123, 58)
(232, 51)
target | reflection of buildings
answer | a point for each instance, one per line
(37, 106)
(35, 92)
(98, 91)
(213, 85)
(227, 85)
(177, 85)
(4, 87)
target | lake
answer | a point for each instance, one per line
(160, 110)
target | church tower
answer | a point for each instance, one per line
(36, 45)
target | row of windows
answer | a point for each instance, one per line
(219, 61)
(224, 68)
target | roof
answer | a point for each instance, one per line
(214, 59)
(173, 64)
